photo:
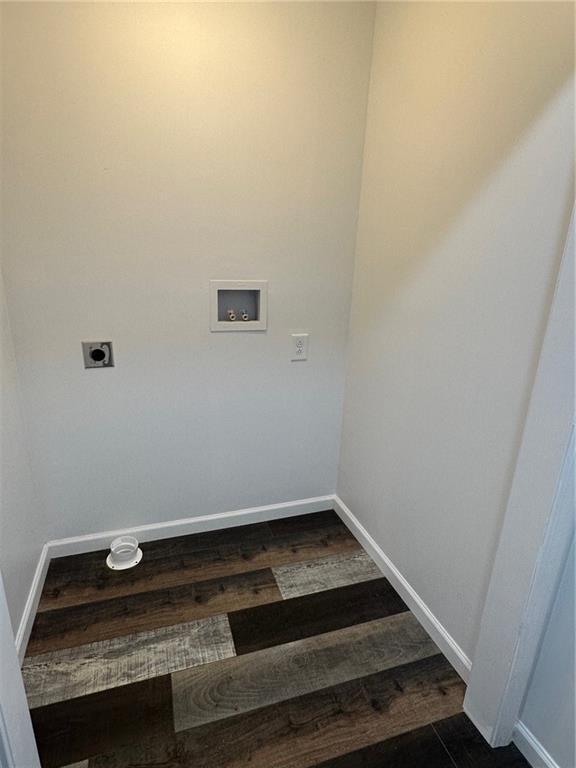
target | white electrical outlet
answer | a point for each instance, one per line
(299, 346)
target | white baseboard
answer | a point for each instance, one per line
(531, 748)
(29, 612)
(435, 629)
(94, 541)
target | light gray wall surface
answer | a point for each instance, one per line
(537, 529)
(466, 195)
(22, 524)
(549, 712)
(149, 148)
(23, 528)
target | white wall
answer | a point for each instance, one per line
(149, 148)
(21, 520)
(466, 194)
(548, 711)
(537, 528)
(22, 523)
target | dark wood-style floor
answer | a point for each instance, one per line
(275, 645)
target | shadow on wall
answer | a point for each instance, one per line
(467, 183)
(474, 115)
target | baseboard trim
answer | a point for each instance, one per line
(531, 748)
(431, 624)
(29, 612)
(92, 542)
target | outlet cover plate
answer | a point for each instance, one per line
(299, 346)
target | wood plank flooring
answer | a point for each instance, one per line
(80, 579)
(65, 674)
(215, 691)
(325, 573)
(107, 619)
(99, 721)
(308, 615)
(275, 645)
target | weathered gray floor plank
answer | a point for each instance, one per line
(206, 694)
(71, 672)
(325, 573)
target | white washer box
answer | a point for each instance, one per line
(233, 300)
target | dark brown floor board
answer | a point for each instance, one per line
(469, 750)
(169, 547)
(420, 748)
(300, 617)
(79, 728)
(308, 522)
(302, 732)
(69, 627)
(172, 562)
(191, 543)
(462, 746)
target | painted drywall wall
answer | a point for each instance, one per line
(537, 528)
(149, 148)
(21, 520)
(22, 524)
(466, 195)
(548, 711)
